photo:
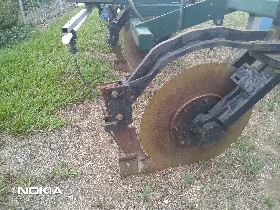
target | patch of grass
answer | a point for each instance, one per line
(191, 206)
(252, 163)
(160, 82)
(25, 181)
(243, 145)
(187, 179)
(38, 75)
(127, 167)
(148, 191)
(102, 203)
(267, 106)
(233, 194)
(2, 186)
(55, 171)
(202, 189)
(15, 34)
(201, 162)
(9, 15)
(54, 143)
(71, 172)
(147, 94)
(268, 200)
(277, 141)
(2, 143)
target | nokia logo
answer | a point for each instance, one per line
(39, 190)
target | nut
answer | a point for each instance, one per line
(114, 94)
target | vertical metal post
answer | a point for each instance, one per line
(275, 27)
(181, 15)
(21, 11)
(276, 20)
(254, 23)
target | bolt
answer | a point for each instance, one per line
(119, 117)
(114, 94)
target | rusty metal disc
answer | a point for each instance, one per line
(196, 90)
(133, 54)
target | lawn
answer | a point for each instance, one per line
(38, 75)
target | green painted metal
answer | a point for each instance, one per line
(156, 9)
(167, 24)
(266, 8)
(141, 35)
(170, 17)
(126, 1)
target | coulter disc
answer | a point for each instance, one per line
(133, 54)
(165, 134)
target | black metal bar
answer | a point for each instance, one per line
(188, 39)
(244, 58)
(115, 26)
(245, 101)
(187, 43)
(253, 85)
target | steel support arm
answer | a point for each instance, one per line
(120, 96)
(252, 85)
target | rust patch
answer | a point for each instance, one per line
(134, 160)
(104, 95)
(120, 63)
(127, 140)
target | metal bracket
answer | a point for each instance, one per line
(117, 100)
(248, 78)
(115, 26)
(253, 85)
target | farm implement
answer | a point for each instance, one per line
(201, 111)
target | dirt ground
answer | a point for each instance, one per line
(82, 160)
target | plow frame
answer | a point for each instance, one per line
(251, 83)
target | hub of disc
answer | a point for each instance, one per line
(180, 125)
